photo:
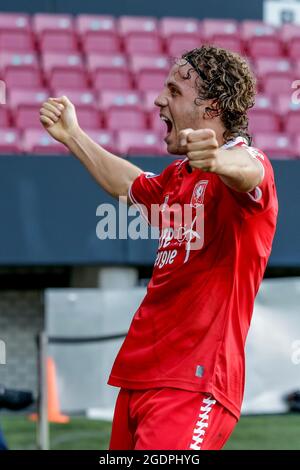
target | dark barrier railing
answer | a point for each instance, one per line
(48, 214)
(190, 8)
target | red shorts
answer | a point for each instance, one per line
(169, 419)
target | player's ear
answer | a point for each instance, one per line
(212, 110)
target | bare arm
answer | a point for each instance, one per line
(235, 166)
(238, 170)
(114, 174)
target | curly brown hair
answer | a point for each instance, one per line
(225, 77)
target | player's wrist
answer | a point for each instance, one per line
(223, 166)
(71, 136)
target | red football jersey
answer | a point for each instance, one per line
(190, 330)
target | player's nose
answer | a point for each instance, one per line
(161, 101)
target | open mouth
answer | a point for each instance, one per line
(168, 122)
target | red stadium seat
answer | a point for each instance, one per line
(4, 117)
(292, 122)
(16, 60)
(20, 70)
(290, 35)
(275, 145)
(140, 143)
(38, 141)
(55, 22)
(263, 102)
(72, 79)
(150, 80)
(119, 99)
(23, 77)
(58, 41)
(263, 120)
(119, 119)
(105, 138)
(112, 80)
(231, 43)
(64, 70)
(265, 66)
(86, 108)
(25, 105)
(61, 61)
(274, 84)
(150, 71)
(156, 124)
(289, 31)
(149, 98)
(297, 68)
(97, 62)
(150, 63)
(264, 46)
(16, 41)
(10, 141)
(177, 44)
(27, 98)
(98, 33)
(79, 98)
(289, 108)
(109, 72)
(101, 42)
(55, 32)
(14, 21)
(297, 146)
(89, 23)
(293, 49)
(140, 34)
(137, 24)
(143, 43)
(170, 26)
(288, 103)
(89, 117)
(215, 27)
(262, 39)
(252, 28)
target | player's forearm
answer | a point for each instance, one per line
(113, 173)
(238, 170)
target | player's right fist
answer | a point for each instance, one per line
(58, 116)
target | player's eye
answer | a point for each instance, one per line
(173, 91)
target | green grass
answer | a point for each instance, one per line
(252, 432)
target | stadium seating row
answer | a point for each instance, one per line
(115, 110)
(117, 72)
(112, 69)
(103, 33)
(133, 142)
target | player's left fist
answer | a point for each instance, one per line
(201, 148)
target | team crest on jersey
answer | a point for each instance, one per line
(198, 194)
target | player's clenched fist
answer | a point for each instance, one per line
(58, 116)
(201, 148)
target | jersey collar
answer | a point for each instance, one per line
(233, 142)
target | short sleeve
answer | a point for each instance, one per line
(147, 189)
(261, 197)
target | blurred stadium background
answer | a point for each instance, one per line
(56, 276)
